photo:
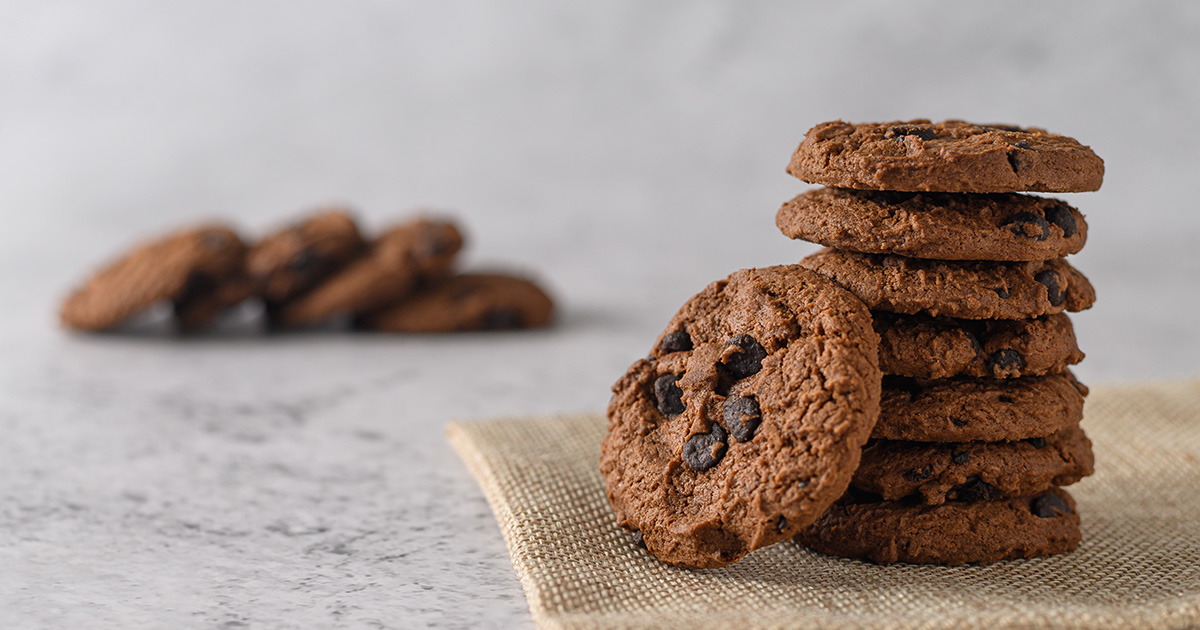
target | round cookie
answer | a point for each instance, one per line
(943, 226)
(177, 266)
(970, 409)
(295, 259)
(746, 421)
(967, 290)
(952, 533)
(940, 347)
(951, 156)
(467, 302)
(973, 471)
(421, 249)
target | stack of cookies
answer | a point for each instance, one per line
(317, 270)
(967, 283)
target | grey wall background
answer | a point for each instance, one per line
(631, 151)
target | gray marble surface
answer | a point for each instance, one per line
(626, 153)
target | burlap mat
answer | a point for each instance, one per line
(1138, 566)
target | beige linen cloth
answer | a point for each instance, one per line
(1138, 566)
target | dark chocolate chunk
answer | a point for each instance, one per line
(668, 395)
(1062, 216)
(958, 423)
(1005, 398)
(1037, 442)
(1005, 362)
(677, 341)
(1029, 225)
(501, 319)
(746, 360)
(1024, 144)
(1003, 293)
(1014, 160)
(742, 417)
(974, 489)
(1049, 278)
(924, 133)
(639, 539)
(918, 474)
(960, 458)
(304, 262)
(1049, 506)
(705, 450)
(781, 524)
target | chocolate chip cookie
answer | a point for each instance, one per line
(953, 533)
(951, 156)
(944, 226)
(422, 249)
(941, 347)
(969, 409)
(297, 258)
(201, 270)
(746, 421)
(973, 471)
(967, 290)
(467, 302)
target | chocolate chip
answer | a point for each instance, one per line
(668, 395)
(899, 131)
(639, 539)
(918, 474)
(742, 417)
(1061, 215)
(1003, 293)
(960, 458)
(958, 423)
(781, 524)
(974, 489)
(1004, 398)
(676, 341)
(1049, 278)
(501, 319)
(1005, 362)
(705, 450)
(1014, 160)
(304, 262)
(1029, 225)
(746, 360)
(1037, 442)
(1049, 506)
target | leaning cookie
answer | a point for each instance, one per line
(940, 347)
(193, 269)
(967, 290)
(422, 249)
(464, 303)
(297, 258)
(973, 471)
(977, 409)
(943, 226)
(953, 533)
(747, 420)
(951, 156)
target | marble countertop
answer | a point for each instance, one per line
(627, 155)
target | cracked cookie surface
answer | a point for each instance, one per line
(951, 156)
(201, 271)
(973, 409)
(942, 226)
(746, 421)
(962, 289)
(952, 533)
(973, 471)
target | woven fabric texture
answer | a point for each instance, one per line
(1138, 565)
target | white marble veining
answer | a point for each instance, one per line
(626, 152)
